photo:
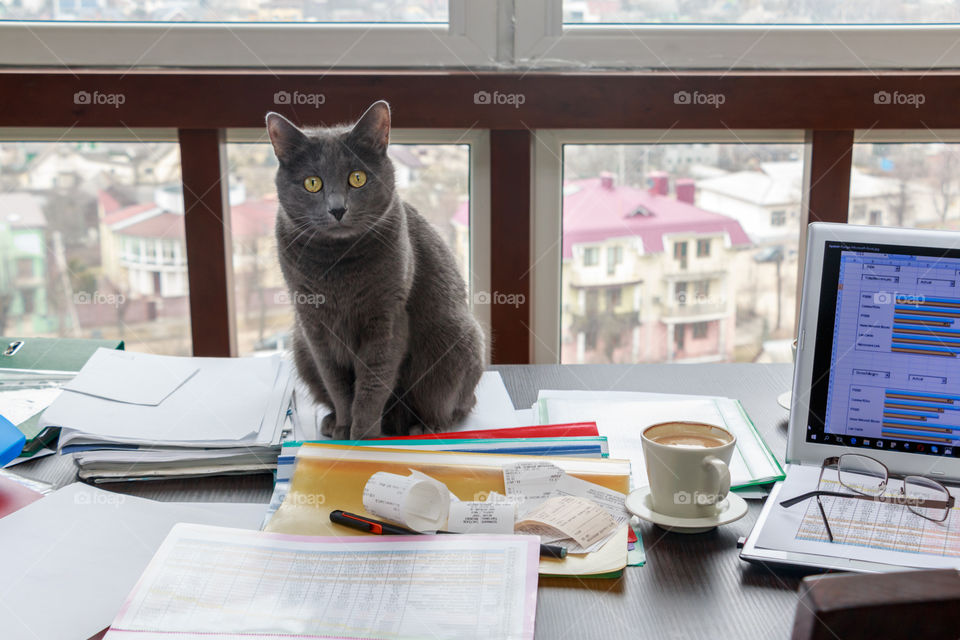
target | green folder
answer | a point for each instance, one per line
(37, 356)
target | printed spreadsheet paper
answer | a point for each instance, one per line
(213, 581)
(862, 530)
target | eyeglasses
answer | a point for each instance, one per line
(868, 478)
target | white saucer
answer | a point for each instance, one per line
(784, 400)
(732, 508)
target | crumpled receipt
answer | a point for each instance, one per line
(416, 501)
(534, 484)
(584, 521)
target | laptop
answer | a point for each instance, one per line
(878, 364)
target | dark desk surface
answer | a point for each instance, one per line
(693, 586)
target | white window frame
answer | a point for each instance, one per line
(542, 40)
(469, 39)
(547, 206)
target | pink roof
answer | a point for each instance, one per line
(253, 218)
(594, 213)
(162, 225)
(249, 219)
(107, 202)
(119, 215)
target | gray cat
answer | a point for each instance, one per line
(382, 331)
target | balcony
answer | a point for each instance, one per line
(695, 311)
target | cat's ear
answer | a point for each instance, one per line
(373, 127)
(284, 135)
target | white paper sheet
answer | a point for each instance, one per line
(568, 517)
(70, 559)
(20, 404)
(462, 587)
(132, 377)
(227, 400)
(863, 530)
(494, 408)
(416, 501)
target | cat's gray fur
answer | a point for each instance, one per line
(382, 332)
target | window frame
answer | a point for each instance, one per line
(469, 39)
(543, 41)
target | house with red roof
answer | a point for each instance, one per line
(143, 249)
(646, 274)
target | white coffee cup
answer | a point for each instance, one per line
(688, 467)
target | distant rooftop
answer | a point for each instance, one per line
(593, 212)
(21, 211)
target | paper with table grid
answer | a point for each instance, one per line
(228, 582)
(862, 529)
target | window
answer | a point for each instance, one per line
(613, 298)
(105, 228)
(434, 178)
(778, 218)
(680, 253)
(762, 12)
(364, 33)
(680, 335)
(748, 285)
(680, 293)
(614, 258)
(876, 217)
(591, 257)
(699, 330)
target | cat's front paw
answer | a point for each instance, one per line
(328, 425)
(361, 430)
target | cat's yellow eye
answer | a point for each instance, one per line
(357, 179)
(313, 184)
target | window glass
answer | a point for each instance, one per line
(434, 178)
(906, 185)
(229, 11)
(705, 274)
(761, 12)
(80, 227)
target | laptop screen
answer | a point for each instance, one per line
(886, 368)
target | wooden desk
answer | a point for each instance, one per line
(693, 586)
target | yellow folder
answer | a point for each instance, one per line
(329, 477)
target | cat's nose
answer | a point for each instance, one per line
(337, 212)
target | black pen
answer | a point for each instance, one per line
(380, 528)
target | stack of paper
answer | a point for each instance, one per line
(622, 416)
(135, 416)
(212, 581)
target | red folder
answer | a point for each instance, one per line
(535, 431)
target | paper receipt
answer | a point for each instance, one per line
(481, 517)
(416, 501)
(586, 522)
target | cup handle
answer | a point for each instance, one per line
(720, 475)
